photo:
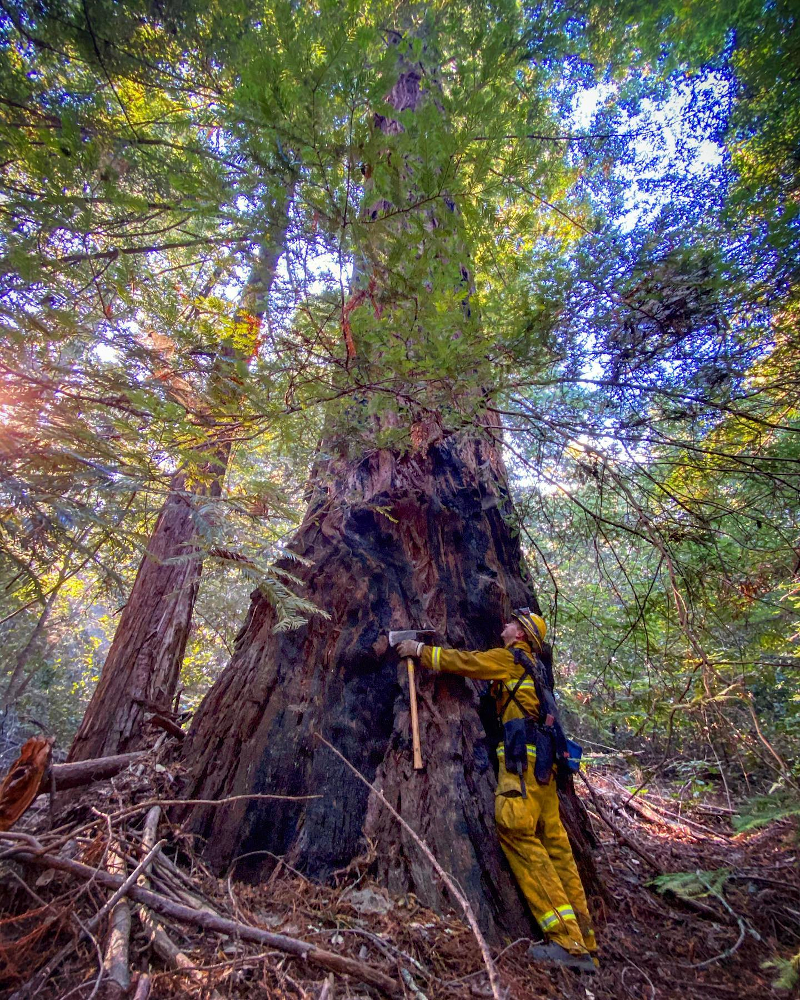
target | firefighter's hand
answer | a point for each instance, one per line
(408, 647)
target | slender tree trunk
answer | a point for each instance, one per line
(17, 681)
(142, 669)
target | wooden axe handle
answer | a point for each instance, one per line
(412, 697)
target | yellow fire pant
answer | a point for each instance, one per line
(535, 842)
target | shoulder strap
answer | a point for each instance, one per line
(547, 703)
(529, 669)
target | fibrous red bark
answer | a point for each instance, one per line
(141, 670)
(392, 542)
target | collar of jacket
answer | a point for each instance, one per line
(523, 645)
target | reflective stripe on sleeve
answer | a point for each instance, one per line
(435, 657)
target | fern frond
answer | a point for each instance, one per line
(765, 809)
(788, 970)
(693, 885)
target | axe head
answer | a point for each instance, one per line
(418, 635)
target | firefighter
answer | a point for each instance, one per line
(526, 800)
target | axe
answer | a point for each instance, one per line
(417, 636)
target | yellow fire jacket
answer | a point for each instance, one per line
(494, 665)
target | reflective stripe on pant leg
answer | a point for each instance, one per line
(551, 918)
(556, 843)
(533, 870)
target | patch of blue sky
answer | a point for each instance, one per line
(107, 353)
(674, 134)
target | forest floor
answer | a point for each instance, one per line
(654, 946)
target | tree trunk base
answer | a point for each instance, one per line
(399, 542)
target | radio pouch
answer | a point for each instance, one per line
(515, 750)
(574, 753)
(544, 741)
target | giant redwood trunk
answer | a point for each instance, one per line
(392, 542)
(141, 670)
(420, 539)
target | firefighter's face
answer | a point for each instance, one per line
(512, 631)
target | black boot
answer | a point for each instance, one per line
(553, 954)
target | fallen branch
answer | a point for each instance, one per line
(126, 885)
(123, 887)
(143, 987)
(142, 806)
(161, 943)
(650, 861)
(116, 962)
(202, 918)
(654, 813)
(415, 991)
(491, 968)
(165, 723)
(69, 833)
(84, 772)
(743, 928)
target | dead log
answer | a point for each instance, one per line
(161, 943)
(143, 986)
(32, 774)
(649, 860)
(122, 888)
(360, 971)
(116, 959)
(84, 772)
(652, 813)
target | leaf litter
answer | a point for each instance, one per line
(652, 946)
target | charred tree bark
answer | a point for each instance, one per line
(393, 542)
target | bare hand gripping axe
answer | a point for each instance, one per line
(417, 636)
